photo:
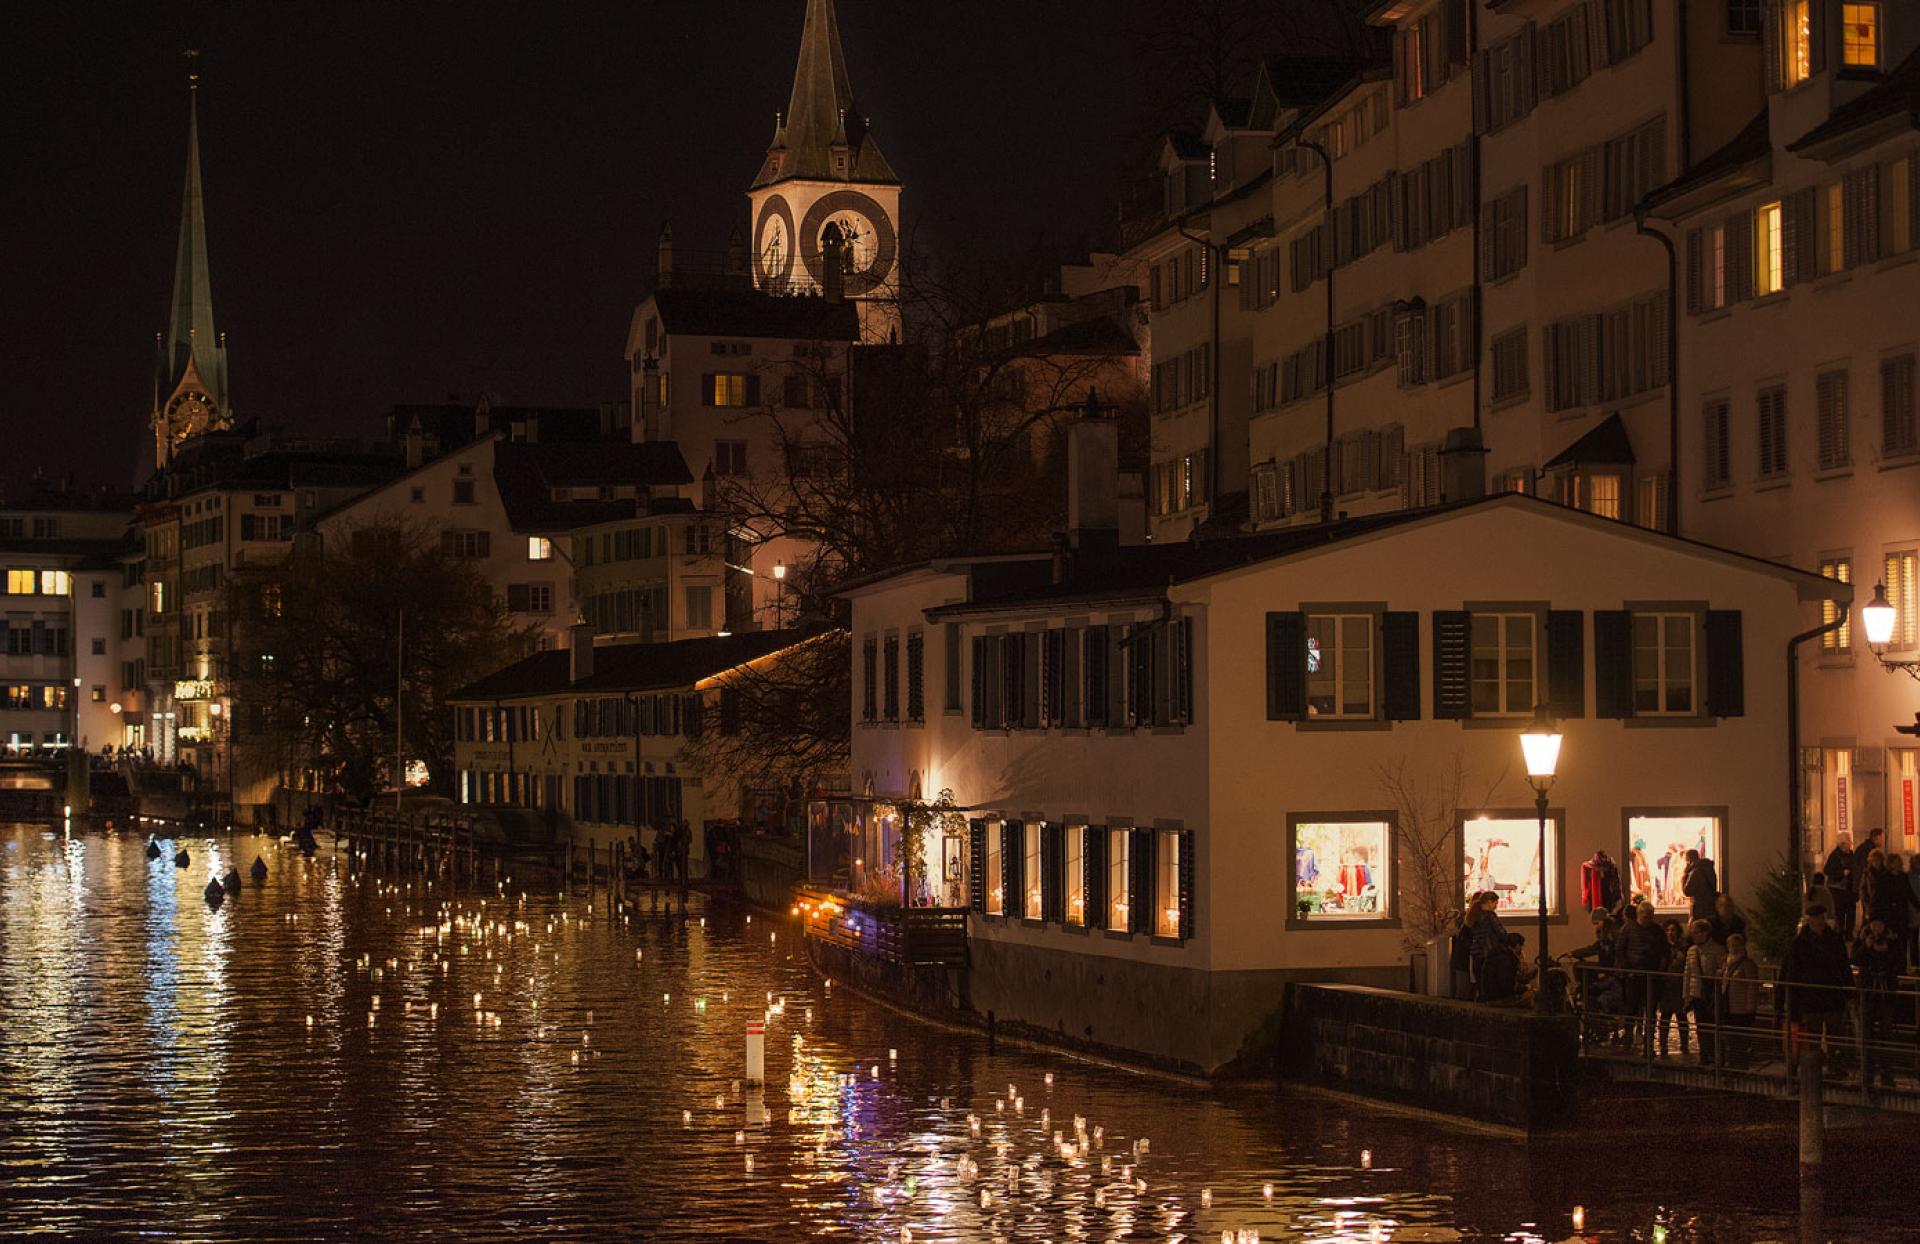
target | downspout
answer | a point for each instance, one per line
(1326, 345)
(1473, 256)
(1673, 363)
(1796, 825)
(1686, 87)
(1216, 261)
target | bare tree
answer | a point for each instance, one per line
(782, 723)
(1429, 803)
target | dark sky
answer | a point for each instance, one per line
(407, 201)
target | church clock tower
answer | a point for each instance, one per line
(190, 367)
(824, 171)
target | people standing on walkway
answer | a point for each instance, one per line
(1842, 874)
(1670, 1008)
(1879, 958)
(1700, 883)
(1643, 951)
(1819, 894)
(1700, 985)
(1741, 974)
(1817, 979)
(1490, 950)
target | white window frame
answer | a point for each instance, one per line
(1341, 659)
(1514, 700)
(1073, 904)
(1033, 901)
(1839, 641)
(1119, 880)
(1664, 682)
(1523, 829)
(996, 879)
(1166, 883)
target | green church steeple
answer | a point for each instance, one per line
(192, 387)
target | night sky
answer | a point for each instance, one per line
(407, 202)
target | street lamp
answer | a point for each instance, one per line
(779, 594)
(1540, 747)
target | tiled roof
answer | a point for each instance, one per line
(749, 313)
(1605, 444)
(526, 475)
(631, 667)
(1753, 142)
(1899, 93)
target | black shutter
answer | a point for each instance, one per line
(979, 682)
(1053, 709)
(1186, 884)
(1141, 705)
(1452, 655)
(753, 389)
(1052, 870)
(1140, 902)
(1400, 650)
(1094, 659)
(1566, 663)
(1183, 673)
(1013, 651)
(1612, 663)
(1286, 667)
(1012, 860)
(1094, 859)
(693, 718)
(1726, 684)
(977, 865)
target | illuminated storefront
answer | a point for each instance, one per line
(1342, 869)
(1657, 846)
(1500, 852)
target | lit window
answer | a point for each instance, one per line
(1342, 870)
(1034, 907)
(1860, 34)
(55, 583)
(1717, 264)
(1166, 883)
(1340, 665)
(1602, 495)
(159, 597)
(1657, 849)
(1836, 234)
(1840, 639)
(21, 582)
(1502, 664)
(539, 549)
(1663, 664)
(1796, 42)
(1120, 879)
(1903, 596)
(1502, 856)
(729, 389)
(1769, 268)
(996, 872)
(1076, 897)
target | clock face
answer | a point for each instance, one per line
(866, 236)
(773, 242)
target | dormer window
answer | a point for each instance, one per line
(1860, 35)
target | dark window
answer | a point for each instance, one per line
(869, 690)
(890, 677)
(916, 676)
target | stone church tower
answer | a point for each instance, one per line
(190, 364)
(825, 173)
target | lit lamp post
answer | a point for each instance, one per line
(779, 594)
(1877, 616)
(1540, 746)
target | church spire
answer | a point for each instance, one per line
(824, 135)
(191, 338)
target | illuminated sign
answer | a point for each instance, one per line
(193, 689)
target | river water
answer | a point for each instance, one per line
(179, 1073)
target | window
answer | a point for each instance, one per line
(1033, 901)
(1794, 56)
(1743, 17)
(1561, 189)
(1769, 254)
(1897, 424)
(1663, 665)
(1119, 879)
(1596, 492)
(1840, 570)
(1500, 854)
(463, 492)
(1650, 509)
(729, 457)
(99, 694)
(1860, 34)
(1657, 847)
(469, 545)
(996, 871)
(1340, 665)
(539, 549)
(98, 589)
(1504, 235)
(1166, 883)
(1770, 413)
(699, 608)
(1075, 906)
(1904, 595)
(99, 648)
(890, 680)
(54, 695)
(55, 583)
(916, 676)
(1342, 870)
(1834, 250)
(1830, 388)
(1502, 669)
(730, 389)
(21, 582)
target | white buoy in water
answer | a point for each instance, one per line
(1206, 1198)
(756, 1051)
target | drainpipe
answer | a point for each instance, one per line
(1686, 86)
(1796, 826)
(1216, 262)
(1473, 257)
(1673, 363)
(1326, 470)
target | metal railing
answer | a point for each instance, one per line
(1868, 1036)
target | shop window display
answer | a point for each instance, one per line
(1501, 854)
(1657, 849)
(1342, 870)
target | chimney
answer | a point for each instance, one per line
(1463, 465)
(415, 444)
(1093, 480)
(833, 264)
(579, 652)
(663, 268)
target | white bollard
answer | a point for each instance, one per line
(756, 1052)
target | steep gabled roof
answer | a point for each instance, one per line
(526, 475)
(1896, 100)
(191, 338)
(822, 115)
(620, 668)
(1743, 161)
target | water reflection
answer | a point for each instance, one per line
(159, 1071)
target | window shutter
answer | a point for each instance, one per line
(1452, 630)
(1012, 678)
(1793, 227)
(1186, 884)
(1566, 663)
(1694, 263)
(1053, 711)
(1094, 653)
(1286, 667)
(979, 682)
(977, 865)
(1093, 861)
(1013, 860)
(1739, 257)
(1140, 908)
(753, 388)
(1183, 672)
(706, 388)
(1400, 652)
(1612, 663)
(1050, 886)
(1726, 684)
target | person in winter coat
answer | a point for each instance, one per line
(1701, 884)
(1490, 948)
(1880, 959)
(1700, 982)
(1819, 894)
(1741, 977)
(1727, 919)
(1670, 1008)
(1842, 872)
(1817, 959)
(1643, 950)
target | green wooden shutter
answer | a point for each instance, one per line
(1612, 663)
(1726, 681)
(1566, 663)
(1400, 658)
(1186, 884)
(1452, 653)
(1286, 666)
(977, 865)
